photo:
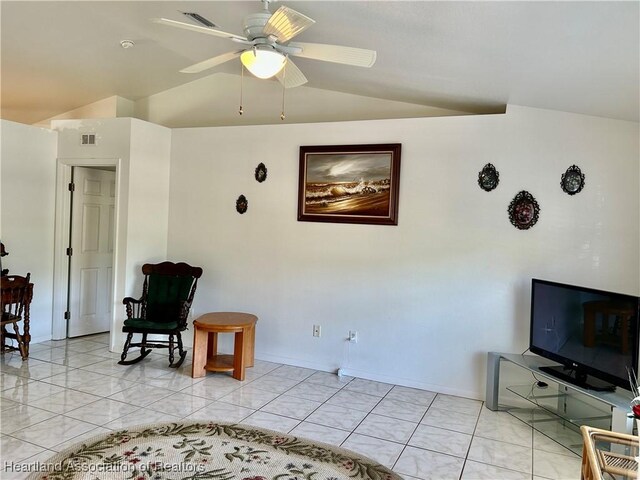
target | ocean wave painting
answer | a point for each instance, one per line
(350, 184)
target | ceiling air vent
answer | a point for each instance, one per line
(87, 139)
(200, 19)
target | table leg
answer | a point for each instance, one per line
(238, 356)
(249, 346)
(200, 348)
(212, 346)
(493, 381)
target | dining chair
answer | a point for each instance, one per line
(16, 297)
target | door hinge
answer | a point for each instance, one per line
(69, 251)
(67, 315)
(72, 187)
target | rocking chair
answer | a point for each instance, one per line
(167, 294)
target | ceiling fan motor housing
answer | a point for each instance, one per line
(254, 24)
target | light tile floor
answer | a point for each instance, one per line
(71, 389)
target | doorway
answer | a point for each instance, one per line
(92, 213)
(86, 252)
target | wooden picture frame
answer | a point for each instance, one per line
(349, 183)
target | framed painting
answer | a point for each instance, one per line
(349, 183)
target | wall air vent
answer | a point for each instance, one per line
(87, 139)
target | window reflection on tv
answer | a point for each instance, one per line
(592, 331)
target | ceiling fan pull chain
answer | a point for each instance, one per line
(284, 79)
(241, 79)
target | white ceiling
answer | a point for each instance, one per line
(581, 57)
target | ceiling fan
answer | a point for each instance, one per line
(266, 46)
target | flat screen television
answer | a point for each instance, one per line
(593, 334)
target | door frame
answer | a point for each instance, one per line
(61, 238)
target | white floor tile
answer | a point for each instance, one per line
(440, 440)
(556, 466)
(17, 449)
(481, 471)
(221, 412)
(337, 417)
(21, 417)
(275, 384)
(501, 454)
(369, 387)
(320, 433)
(20, 470)
(271, 421)
(313, 391)
(80, 439)
(142, 416)
(329, 379)
(53, 431)
(142, 395)
(179, 404)
(31, 391)
(428, 465)
(410, 412)
(293, 407)
(381, 451)
(455, 404)
(294, 373)
(250, 397)
(411, 395)
(459, 422)
(354, 400)
(103, 411)
(386, 428)
(64, 401)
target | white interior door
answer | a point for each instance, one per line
(92, 234)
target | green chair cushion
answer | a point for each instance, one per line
(165, 296)
(139, 323)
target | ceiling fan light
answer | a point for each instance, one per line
(263, 63)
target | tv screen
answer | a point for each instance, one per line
(590, 332)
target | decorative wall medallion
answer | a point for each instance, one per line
(261, 172)
(523, 210)
(572, 181)
(488, 178)
(242, 204)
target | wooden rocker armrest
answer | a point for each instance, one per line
(126, 300)
(134, 307)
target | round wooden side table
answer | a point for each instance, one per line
(205, 343)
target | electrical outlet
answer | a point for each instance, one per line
(316, 330)
(353, 336)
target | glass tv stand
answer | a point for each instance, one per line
(553, 406)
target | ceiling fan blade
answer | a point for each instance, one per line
(358, 57)
(286, 23)
(197, 28)
(291, 76)
(212, 62)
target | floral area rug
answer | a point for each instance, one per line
(201, 450)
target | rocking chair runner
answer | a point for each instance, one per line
(167, 294)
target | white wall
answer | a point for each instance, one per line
(27, 179)
(432, 295)
(142, 150)
(110, 107)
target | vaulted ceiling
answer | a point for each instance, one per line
(581, 57)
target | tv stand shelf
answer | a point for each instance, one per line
(585, 406)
